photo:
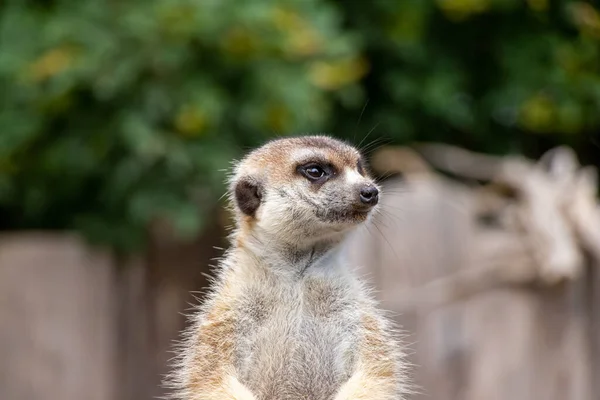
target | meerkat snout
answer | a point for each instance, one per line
(369, 195)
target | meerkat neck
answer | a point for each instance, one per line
(279, 255)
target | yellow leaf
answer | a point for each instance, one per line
(407, 26)
(303, 42)
(458, 10)
(587, 18)
(191, 121)
(7, 166)
(177, 20)
(51, 63)
(302, 39)
(334, 75)
(537, 114)
(239, 42)
(286, 19)
(277, 118)
(538, 5)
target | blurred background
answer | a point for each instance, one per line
(119, 119)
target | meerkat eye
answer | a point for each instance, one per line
(313, 172)
(359, 167)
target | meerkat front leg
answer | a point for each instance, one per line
(207, 371)
(363, 385)
(378, 374)
(230, 389)
(227, 388)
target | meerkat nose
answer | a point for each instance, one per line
(369, 195)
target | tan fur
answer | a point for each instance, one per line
(286, 318)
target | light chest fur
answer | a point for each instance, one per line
(297, 335)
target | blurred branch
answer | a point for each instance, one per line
(547, 216)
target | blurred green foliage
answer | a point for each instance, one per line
(486, 74)
(116, 113)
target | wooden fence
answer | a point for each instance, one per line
(77, 322)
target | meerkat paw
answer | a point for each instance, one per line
(351, 390)
(361, 387)
(237, 390)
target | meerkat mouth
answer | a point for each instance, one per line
(361, 215)
(344, 216)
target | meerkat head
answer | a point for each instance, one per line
(303, 190)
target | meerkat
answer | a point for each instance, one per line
(286, 317)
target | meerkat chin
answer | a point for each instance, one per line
(286, 318)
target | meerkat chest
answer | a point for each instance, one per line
(297, 341)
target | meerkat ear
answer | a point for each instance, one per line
(248, 194)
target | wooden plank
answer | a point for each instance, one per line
(136, 353)
(176, 277)
(56, 319)
(528, 344)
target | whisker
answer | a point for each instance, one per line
(391, 207)
(359, 119)
(366, 149)
(399, 192)
(376, 145)
(386, 175)
(368, 133)
(390, 215)
(388, 242)
(389, 211)
(380, 221)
